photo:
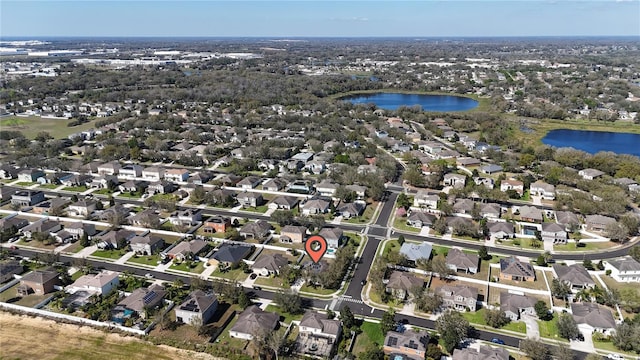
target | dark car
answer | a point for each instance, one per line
(497, 341)
(363, 282)
(253, 276)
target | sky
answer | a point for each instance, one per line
(307, 18)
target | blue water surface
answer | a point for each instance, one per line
(594, 141)
(391, 101)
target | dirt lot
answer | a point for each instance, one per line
(24, 337)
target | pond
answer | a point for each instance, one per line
(594, 141)
(392, 101)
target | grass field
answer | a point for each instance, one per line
(370, 336)
(31, 126)
(23, 337)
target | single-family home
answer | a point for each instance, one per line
(8, 172)
(79, 228)
(253, 321)
(153, 173)
(138, 302)
(250, 199)
(133, 186)
(283, 203)
(293, 234)
(464, 206)
(315, 206)
(459, 297)
(541, 188)
(38, 282)
(27, 197)
(275, 184)
(554, 233)
(161, 187)
(567, 219)
(9, 268)
(177, 175)
(257, 230)
(100, 284)
(43, 225)
(425, 200)
(624, 269)
(487, 182)
(249, 182)
(130, 171)
(402, 284)
(575, 275)
(414, 252)
(530, 214)
(458, 260)
(197, 309)
(598, 222)
(269, 264)
(334, 237)
(482, 353)
(185, 250)
(455, 180)
(30, 175)
(229, 255)
(351, 209)
(515, 270)
(590, 174)
(317, 335)
(326, 188)
(115, 239)
(110, 168)
(82, 208)
(409, 345)
(104, 182)
(515, 305)
(146, 245)
(512, 184)
(467, 162)
(186, 217)
(491, 169)
(419, 219)
(216, 224)
(593, 317)
(490, 210)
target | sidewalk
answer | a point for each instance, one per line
(125, 257)
(208, 271)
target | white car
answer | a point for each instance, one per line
(615, 357)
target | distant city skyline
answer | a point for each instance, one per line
(454, 18)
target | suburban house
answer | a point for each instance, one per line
(51, 206)
(410, 344)
(229, 255)
(146, 245)
(133, 186)
(283, 203)
(9, 268)
(501, 230)
(293, 234)
(491, 169)
(401, 284)
(27, 197)
(482, 353)
(38, 282)
(575, 275)
(185, 250)
(177, 175)
(458, 260)
(590, 174)
(130, 171)
(352, 209)
(624, 269)
(598, 222)
(161, 187)
(460, 298)
(269, 264)
(43, 225)
(541, 188)
(530, 214)
(101, 283)
(148, 218)
(455, 180)
(110, 168)
(593, 317)
(256, 230)
(30, 175)
(115, 239)
(250, 199)
(511, 184)
(197, 309)
(140, 300)
(414, 251)
(254, 321)
(490, 210)
(463, 206)
(567, 219)
(104, 182)
(317, 335)
(334, 237)
(8, 172)
(467, 161)
(216, 224)
(77, 229)
(250, 182)
(187, 217)
(315, 206)
(515, 270)
(419, 219)
(514, 305)
(554, 233)
(81, 208)
(487, 182)
(153, 173)
(425, 200)
(326, 188)
(275, 184)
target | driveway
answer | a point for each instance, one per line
(587, 344)
(533, 331)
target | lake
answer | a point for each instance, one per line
(391, 101)
(594, 141)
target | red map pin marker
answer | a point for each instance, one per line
(316, 247)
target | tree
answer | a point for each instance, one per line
(626, 336)
(495, 318)
(542, 310)
(562, 352)
(282, 217)
(440, 225)
(439, 266)
(388, 323)
(617, 232)
(403, 200)
(401, 239)
(560, 289)
(372, 353)
(453, 328)
(567, 326)
(534, 349)
(588, 264)
(347, 318)
(84, 240)
(540, 261)
(289, 302)
(484, 253)
(429, 301)
(433, 351)
(635, 252)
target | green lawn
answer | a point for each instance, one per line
(588, 246)
(269, 281)
(371, 336)
(25, 183)
(11, 296)
(259, 209)
(366, 216)
(236, 274)
(608, 346)
(477, 318)
(32, 125)
(400, 223)
(49, 186)
(109, 254)
(75, 188)
(284, 317)
(549, 329)
(145, 260)
(197, 269)
(103, 192)
(318, 290)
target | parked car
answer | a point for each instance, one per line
(497, 341)
(615, 357)
(253, 276)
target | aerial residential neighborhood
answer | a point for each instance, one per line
(170, 191)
